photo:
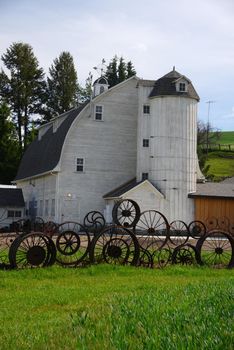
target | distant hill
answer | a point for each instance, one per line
(227, 138)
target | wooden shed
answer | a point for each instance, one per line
(214, 204)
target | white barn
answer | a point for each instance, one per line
(136, 140)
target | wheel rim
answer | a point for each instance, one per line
(126, 213)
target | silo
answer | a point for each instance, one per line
(173, 141)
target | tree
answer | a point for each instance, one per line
(62, 85)
(9, 146)
(84, 94)
(118, 71)
(23, 88)
(121, 70)
(206, 135)
(130, 70)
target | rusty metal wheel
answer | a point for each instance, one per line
(216, 249)
(223, 223)
(72, 242)
(163, 256)
(6, 239)
(115, 245)
(197, 229)
(32, 250)
(50, 228)
(185, 254)
(22, 227)
(145, 259)
(211, 223)
(94, 222)
(179, 232)
(37, 225)
(126, 213)
(152, 230)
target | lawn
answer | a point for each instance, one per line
(227, 138)
(110, 307)
(221, 164)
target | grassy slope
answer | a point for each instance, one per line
(106, 307)
(221, 167)
(227, 137)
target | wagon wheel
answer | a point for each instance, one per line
(211, 223)
(163, 256)
(231, 229)
(126, 213)
(38, 225)
(50, 228)
(152, 230)
(94, 222)
(22, 227)
(32, 250)
(223, 223)
(179, 232)
(197, 229)
(72, 243)
(115, 245)
(185, 254)
(145, 259)
(5, 242)
(216, 249)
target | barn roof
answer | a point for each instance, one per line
(166, 86)
(42, 155)
(11, 197)
(214, 190)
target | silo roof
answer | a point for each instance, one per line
(166, 86)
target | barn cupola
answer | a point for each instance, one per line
(99, 86)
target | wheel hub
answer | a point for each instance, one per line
(36, 255)
(219, 250)
(126, 213)
(114, 252)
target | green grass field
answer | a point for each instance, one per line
(108, 307)
(220, 166)
(227, 138)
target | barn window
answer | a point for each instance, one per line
(80, 165)
(146, 109)
(98, 113)
(14, 214)
(145, 142)
(145, 176)
(182, 87)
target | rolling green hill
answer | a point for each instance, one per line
(227, 137)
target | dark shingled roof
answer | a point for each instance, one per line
(121, 189)
(213, 189)
(127, 186)
(11, 197)
(166, 86)
(43, 155)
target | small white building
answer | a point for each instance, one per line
(135, 140)
(11, 205)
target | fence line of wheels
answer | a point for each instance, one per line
(140, 239)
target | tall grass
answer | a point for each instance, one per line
(108, 307)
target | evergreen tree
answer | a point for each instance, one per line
(121, 70)
(112, 72)
(9, 146)
(23, 88)
(62, 85)
(130, 70)
(118, 71)
(84, 94)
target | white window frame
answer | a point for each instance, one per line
(99, 113)
(76, 165)
(144, 176)
(184, 87)
(147, 107)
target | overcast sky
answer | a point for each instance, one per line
(197, 37)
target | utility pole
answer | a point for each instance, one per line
(208, 126)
